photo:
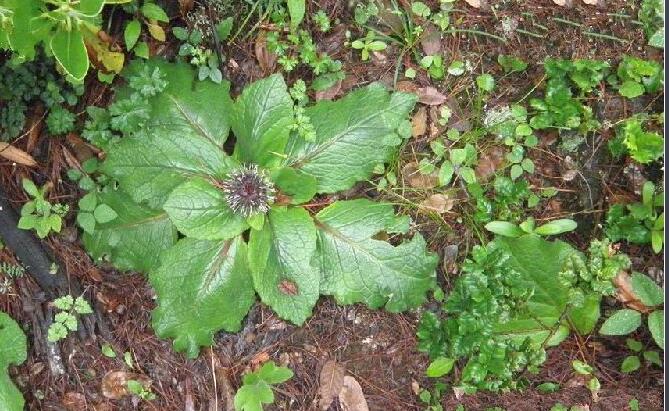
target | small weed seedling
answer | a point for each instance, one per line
(639, 223)
(632, 363)
(39, 214)
(257, 387)
(66, 320)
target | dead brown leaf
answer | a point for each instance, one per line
(330, 93)
(266, 59)
(185, 6)
(563, 3)
(415, 179)
(439, 203)
(430, 40)
(479, 4)
(115, 383)
(331, 383)
(419, 122)
(16, 155)
(406, 86)
(351, 397)
(489, 162)
(430, 96)
(74, 401)
(626, 294)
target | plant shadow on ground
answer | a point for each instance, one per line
(377, 348)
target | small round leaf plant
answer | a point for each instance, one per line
(215, 226)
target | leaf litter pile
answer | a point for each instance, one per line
(327, 205)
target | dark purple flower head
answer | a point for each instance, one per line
(248, 191)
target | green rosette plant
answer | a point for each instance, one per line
(215, 225)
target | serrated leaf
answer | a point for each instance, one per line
(188, 126)
(644, 288)
(357, 268)
(261, 121)
(202, 287)
(353, 135)
(656, 327)
(251, 397)
(279, 258)
(133, 240)
(13, 351)
(199, 210)
(622, 322)
(155, 12)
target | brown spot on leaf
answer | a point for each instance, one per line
(288, 287)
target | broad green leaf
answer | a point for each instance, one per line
(652, 357)
(280, 260)
(272, 374)
(504, 228)
(538, 261)
(134, 239)
(631, 89)
(634, 345)
(261, 121)
(648, 292)
(199, 210)
(440, 367)
(13, 351)
(556, 227)
(69, 49)
(296, 10)
(353, 135)
(582, 368)
(155, 12)
(622, 322)
(630, 364)
(585, 318)
(104, 214)
(21, 37)
(202, 287)
(656, 327)
(657, 39)
(446, 173)
(131, 33)
(251, 397)
(299, 186)
(355, 267)
(189, 124)
(90, 8)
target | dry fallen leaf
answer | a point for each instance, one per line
(438, 203)
(415, 179)
(419, 122)
(351, 397)
(563, 3)
(16, 155)
(594, 2)
(489, 162)
(406, 86)
(479, 4)
(626, 294)
(330, 93)
(331, 383)
(115, 383)
(430, 96)
(74, 401)
(266, 59)
(431, 41)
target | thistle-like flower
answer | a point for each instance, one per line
(248, 191)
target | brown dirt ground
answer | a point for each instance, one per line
(377, 348)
